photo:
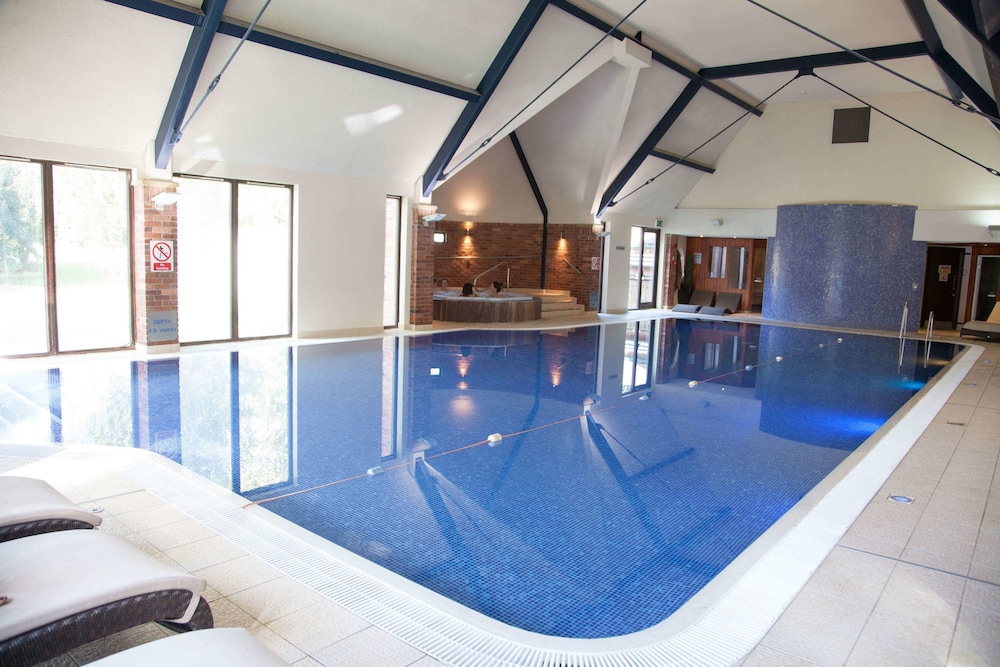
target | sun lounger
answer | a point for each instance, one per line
(728, 301)
(68, 588)
(702, 297)
(204, 648)
(988, 329)
(686, 308)
(31, 506)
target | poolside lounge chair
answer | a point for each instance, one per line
(988, 329)
(728, 301)
(31, 506)
(702, 297)
(68, 588)
(204, 648)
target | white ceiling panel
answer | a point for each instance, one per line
(672, 183)
(707, 115)
(451, 41)
(81, 72)
(277, 108)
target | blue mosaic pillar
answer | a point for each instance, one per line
(845, 265)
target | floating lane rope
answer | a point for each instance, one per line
(495, 438)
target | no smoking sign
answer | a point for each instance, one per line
(161, 256)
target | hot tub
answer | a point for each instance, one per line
(509, 307)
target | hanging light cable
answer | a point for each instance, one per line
(218, 77)
(965, 106)
(545, 90)
(706, 142)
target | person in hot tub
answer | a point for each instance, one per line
(467, 289)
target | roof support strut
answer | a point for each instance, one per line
(515, 40)
(187, 78)
(649, 145)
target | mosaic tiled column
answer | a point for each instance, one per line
(155, 269)
(852, 265)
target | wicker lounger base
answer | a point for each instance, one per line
(74, 631)
(19, 530)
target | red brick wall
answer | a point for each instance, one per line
(421, 269)
(462, 257)
(154, 292)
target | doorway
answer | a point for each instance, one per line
(987, 282)
(643, 267)
(942, 283)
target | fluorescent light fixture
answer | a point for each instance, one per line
(166, 198)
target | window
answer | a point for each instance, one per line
(234, 248)
(390, 272)
(65, 258)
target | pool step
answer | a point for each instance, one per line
(555, 303)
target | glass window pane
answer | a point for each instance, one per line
(264, 233)
(23, 327)
(93, 292)
(265, 454)
(390, 274)
(207, 424)
(204, 269)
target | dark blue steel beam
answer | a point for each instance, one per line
(349, 60)
(980, 21)
(286, 43)
(954, 72)
(173, 12)
(649, 145)
(187, 78)
(537, 191)
(515, 40)
(684, 162)
(877, 53)
(661, 58)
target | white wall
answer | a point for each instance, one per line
(339, 232)
(786, 157)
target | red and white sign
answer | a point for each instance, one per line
(161, 255)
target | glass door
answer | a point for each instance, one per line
(987, 282)
(643, 268)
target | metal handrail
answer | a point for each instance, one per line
(902, 325)
(571, 265)
(927, 338)
(496, 266)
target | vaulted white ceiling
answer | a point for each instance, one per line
(395, 90)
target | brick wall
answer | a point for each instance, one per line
(421, 268)
(154, 292)
(461, 258)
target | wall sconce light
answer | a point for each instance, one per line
(165, 198)
(994, 230)
(468, 233)
(561, 237)
(717, 222)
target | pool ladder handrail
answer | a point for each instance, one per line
(496, 266)
(902, 325)
(927, 338)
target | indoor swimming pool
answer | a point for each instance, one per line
(578, 483)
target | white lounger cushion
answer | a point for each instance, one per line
(24, 499)
(202, 648)
(54, 575)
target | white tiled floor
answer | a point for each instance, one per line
(915, 584)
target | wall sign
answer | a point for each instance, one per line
(161, 326)
(161, 256)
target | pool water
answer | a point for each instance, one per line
(633, 463)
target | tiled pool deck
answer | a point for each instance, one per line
(908, 584)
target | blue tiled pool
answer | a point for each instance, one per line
(635, 460)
